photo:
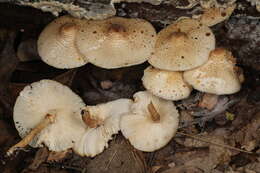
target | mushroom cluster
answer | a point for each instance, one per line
(111, 43)
(182, 56)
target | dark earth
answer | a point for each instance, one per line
(232, 120)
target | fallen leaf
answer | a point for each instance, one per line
(208, 101)
(58, 156)
(40, 157)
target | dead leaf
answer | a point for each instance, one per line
(182, 169)
(58, 156)
(40, 157)
(208, 101)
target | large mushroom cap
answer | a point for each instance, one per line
(183, 45)
(169, 85)
(104, 122)
(218, 76)
(50, 97)
(152, 122)
(56, 43)
(117, 42)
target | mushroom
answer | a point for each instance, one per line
(218, 76)
(168, 85)
(47, 112)
(117, 42)
(57, 44)
(152, 122)
(103, 120)
(215, 15)
(183, 45)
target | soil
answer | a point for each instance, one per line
(232, 120)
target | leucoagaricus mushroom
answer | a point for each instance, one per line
(168, 85)
(57, 44)
(183, 45)
(152, 122)
(48, 113)
(215, 15)
(103, 120)
(218, 76)
(117, 42)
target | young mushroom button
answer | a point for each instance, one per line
(56, 43)
(168, 85)
(117, 42)
(218, 76)
(183, 45)
(103, 120)
(152, 122)
(47, 112)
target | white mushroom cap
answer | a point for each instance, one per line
(215, 15)
(117, 42)
(56, 43)
(168, 85)
(104, 118)
(183, 45)
(146, 131)
(50, 97)
(218, 76)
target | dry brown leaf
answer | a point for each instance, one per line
(58, 156)
(182, 169)
(208, 101)
(40, 157)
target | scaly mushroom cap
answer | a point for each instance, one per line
(50, 97)
(213, 16)
(104, 122)
(168, 85)
(152, 122)
(56, 43)
(117, 42)
(183, 45)
(218, 76)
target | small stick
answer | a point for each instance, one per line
(49, 119)
(214, 143)
(153, 112)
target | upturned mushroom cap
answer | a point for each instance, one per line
(218, 76)
(56, 43)
(215, 15)
(50, 97)
(183, 45)
(104, 122)
(152, 122)
(169, 85)
(117, 42)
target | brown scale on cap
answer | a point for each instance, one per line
(68, 29)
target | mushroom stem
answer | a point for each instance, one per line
(153, 112)
(89, 121)
(49, 119)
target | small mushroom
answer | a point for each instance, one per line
(218, 76)
(183, 45)
(103, 120)
(215, 15)
(47, 112)
(168, 85)
(152, 122)
(57, 44)
(117, 42)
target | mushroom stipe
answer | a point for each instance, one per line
(49, 119)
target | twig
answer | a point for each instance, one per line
(27, 139)
(214, 143)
